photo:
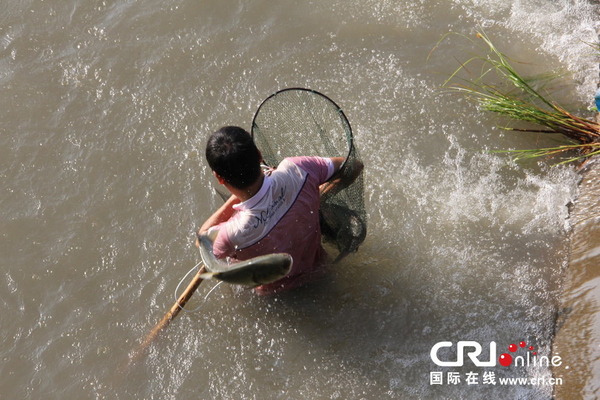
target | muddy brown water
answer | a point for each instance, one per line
(104, 111)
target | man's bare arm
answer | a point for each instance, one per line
(337, 183)
(221, 215)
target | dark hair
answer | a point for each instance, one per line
(232, 154)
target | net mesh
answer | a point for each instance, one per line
(296, 122)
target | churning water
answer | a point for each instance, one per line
(104, 111)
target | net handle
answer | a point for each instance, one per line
(340, 112)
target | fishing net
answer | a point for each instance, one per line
(303, 122)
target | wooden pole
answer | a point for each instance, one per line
(169, 316)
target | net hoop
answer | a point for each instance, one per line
(342, 115)
(300, 121)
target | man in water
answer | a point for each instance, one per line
(273, 211)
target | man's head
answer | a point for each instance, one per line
(233, 156)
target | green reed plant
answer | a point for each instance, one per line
(518, 97)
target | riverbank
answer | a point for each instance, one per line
(577, 339)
